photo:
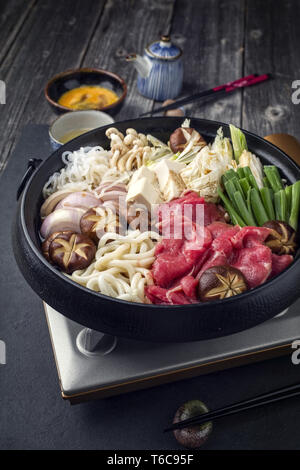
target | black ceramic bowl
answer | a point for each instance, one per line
(142, 321)
(70, 79)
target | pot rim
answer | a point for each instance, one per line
(216, 303)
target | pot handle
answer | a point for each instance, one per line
(32, 165)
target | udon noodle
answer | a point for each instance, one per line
(122, 265)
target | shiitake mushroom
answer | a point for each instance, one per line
(282, 239)
(98, 220)
(178, 141)
(46, 243)
(221, 282)
(71, 251)
(196, 435)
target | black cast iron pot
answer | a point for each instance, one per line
(142, 321)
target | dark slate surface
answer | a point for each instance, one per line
(33, 414)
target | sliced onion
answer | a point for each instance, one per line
(61, 220)
(110, 186)
(113, 195)
(52, 201)
(80, 200)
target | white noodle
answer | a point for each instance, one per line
(84, 170)
(122, 265)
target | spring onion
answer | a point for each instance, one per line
(245, 186)
(266, 196)
(247, 216)
(257, 206)
(273, 177)
(288, 192)
(230, 189)
(236, 219)
(252, 181)
(247, 171)
(280, 202)
(239, 143)
(295, 205)
(249, 205)
(241, 173)
(230, 174)
(237, 185)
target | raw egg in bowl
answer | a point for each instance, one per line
(86, 88)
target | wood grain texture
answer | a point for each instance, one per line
(222, 40)
(13, 14)
(211, 32)
(51, 40)
(125, 27)
(272, 45)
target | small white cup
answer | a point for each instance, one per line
(76, 121)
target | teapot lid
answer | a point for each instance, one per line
(163, 49)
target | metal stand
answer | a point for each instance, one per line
(91, 366)
(93, 343)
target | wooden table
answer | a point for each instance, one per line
(222, 40)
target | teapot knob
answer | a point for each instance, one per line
(165, 41)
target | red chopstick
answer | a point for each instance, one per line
(226, 88)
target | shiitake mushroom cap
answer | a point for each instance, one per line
(282, 239)
(220, 282)
(71, 251)
(47, 242)
(193, 436)
(178, 141)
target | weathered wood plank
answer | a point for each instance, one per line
(12, 17)
(52, 40)
(272, 45)
(211, 33)
(128, 26)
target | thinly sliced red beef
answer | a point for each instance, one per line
(181, 260)
(279, 263)
(212, 213)
(177, 257)
(189, 285)
(217, 228)
(175, 296)
(255, 263)
(216, 258)
(169, 245)
(223, 243)
(156, 294)
(200, 262)
(197, 240)
(178, 298)
(248, 237)
(168, 267)
(190, 205)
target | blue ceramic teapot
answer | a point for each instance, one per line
(160, 70)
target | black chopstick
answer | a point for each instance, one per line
(227, 87)
(261, 400)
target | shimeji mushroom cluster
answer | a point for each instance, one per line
(130, 151)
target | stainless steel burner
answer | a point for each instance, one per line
(93, 365)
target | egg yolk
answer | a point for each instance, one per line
(88, 97)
